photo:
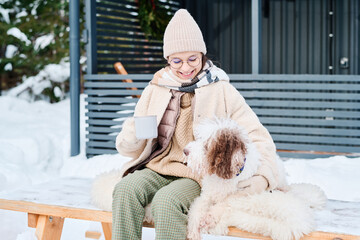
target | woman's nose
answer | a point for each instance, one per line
(185, 67)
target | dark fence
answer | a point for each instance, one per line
(305, 114)
(116, 36)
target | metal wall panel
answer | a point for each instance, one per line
(295, 35)
(226, 27)
(304, 37)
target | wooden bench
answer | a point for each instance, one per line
(49, 204)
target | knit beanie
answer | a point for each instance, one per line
(182, 34)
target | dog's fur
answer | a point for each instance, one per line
(279, 215)
(218, 153)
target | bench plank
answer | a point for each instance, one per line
(70, 198)
(318, 235)
(61, 212)
(56, 211)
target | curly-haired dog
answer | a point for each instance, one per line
(224, 155)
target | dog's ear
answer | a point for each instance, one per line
(221, 150)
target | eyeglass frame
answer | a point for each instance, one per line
(187, 61)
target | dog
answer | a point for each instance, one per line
(224, 155)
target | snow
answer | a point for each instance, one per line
(336, 175)
(8, 67)
(18, 34)
(32, 139)
(58, 72)
(23, 13)
(34, 85)
(5, 14)
(35, 6)
(10, 51)
(35, 148)
(58, 93)
(43, 41)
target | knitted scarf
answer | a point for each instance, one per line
(209, 74)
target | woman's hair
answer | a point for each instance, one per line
(204, 60)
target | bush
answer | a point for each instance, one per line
(35, 34)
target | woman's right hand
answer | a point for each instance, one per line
(126, 141)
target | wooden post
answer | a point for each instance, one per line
(107, 228)
(92, 234)
(49, 228)
(121, 70)
(32, 220)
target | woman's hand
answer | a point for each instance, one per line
(255, 184)
(126, 142)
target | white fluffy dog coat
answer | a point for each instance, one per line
(224, 155)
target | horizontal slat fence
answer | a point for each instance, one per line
(307, 114)
(119, 37)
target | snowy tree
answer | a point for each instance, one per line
(35, 34)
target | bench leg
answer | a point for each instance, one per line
(47, 227)
(107, 228)
(32, 220)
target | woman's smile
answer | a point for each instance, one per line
(187, 75)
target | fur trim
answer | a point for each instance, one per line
(311, 194)
(279, 215)
(103, 187)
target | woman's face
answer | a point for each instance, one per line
(185, 65)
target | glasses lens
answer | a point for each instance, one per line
(193, 61)
(176, 63)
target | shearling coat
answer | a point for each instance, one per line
(219, 99)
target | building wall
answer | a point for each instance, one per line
(298, 36)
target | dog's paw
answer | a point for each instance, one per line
(207, 222)
(194, 235)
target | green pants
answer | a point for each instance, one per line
(170, 199)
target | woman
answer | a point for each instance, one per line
(183, 93)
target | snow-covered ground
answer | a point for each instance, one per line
(35, 147)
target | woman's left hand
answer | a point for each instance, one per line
(255, 184)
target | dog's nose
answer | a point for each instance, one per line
(186, 151)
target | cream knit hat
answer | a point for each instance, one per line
(183, 34)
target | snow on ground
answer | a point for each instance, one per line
(35, 147)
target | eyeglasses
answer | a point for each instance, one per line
(192, 61)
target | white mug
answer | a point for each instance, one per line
(146, 127)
